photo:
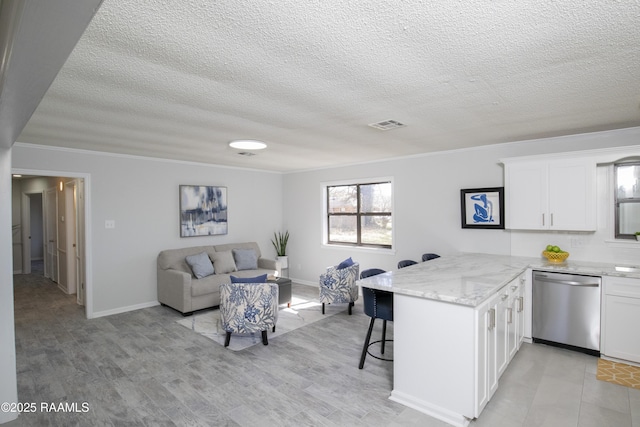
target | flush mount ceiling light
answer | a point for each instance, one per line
(247, 144)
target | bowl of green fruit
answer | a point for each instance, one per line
(555, 254)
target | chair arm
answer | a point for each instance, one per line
(174, 289)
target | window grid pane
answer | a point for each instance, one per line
(360, 214)
(627, 203)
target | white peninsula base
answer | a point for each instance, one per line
(434, 358)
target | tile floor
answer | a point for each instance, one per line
(142, 369)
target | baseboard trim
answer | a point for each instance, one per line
(124, 309)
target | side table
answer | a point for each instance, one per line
(284, 289)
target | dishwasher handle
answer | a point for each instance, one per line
(545, 278)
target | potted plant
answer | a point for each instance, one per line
(280, 241)
(638, 236)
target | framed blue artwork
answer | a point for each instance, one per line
(203, 210)
(482, 207)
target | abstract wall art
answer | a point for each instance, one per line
(203, 210)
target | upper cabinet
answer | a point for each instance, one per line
(557, 194)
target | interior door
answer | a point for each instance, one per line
(26, 234)
(79, 202)
(51, 234)
(71, 248)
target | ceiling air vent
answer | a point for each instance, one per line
(387, 125)
(247, 153)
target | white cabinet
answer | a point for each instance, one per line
(551, 194)
(620, 318)
(515, 316)
(485, 352)
(500, 329)
(502, 333)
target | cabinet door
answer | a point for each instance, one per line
(482, 367)
(520, 316)
(622, 314)
(526, 196)
(512, 323)
(502, 341)
(572, 195)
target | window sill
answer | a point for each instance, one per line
(622, 243)
(360, 249)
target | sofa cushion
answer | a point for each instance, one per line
(200, 265)
(208, 285)
(176, 258)
(246, 259)
(344, 264)
(257, 279)
(223, 262)
(231, 246)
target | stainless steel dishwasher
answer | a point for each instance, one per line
(566, 311)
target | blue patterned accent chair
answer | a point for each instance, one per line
(338, 285)
(247, 308)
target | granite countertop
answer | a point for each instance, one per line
(471, 278)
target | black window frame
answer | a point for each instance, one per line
(358, 214)
(618, 201)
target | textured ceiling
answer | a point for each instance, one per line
(180, 79)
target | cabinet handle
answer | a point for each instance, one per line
(543, 220)
(552, 220)
(492, 318)
(504, 297)
(509, 315)
(520, 304)
(514, 288)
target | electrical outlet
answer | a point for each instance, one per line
(577, 242)
(110, 223)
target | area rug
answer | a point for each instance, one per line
(301, 313)
(618, 373)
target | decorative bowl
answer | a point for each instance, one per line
(555, 256)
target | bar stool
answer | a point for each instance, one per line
(377, 305)
(406, 263)
(429, 257)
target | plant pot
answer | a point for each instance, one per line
(284, 261)
(638, 237)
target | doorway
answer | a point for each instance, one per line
(62, 230)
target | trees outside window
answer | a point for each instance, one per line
(360, 214)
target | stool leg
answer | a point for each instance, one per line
(322, 308)
(264, 337)
(384, 334)
(366, 343)
(227, 339)
(351, 304)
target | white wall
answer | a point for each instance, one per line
(141, 196)
(8, 383)
(427, 206)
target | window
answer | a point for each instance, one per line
(360, 214)
(627, 200)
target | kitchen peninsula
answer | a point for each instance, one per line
(458, 321)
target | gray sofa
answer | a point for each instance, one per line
(179, 288)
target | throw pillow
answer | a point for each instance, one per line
(344, 264)
(246, 259)
(257, 279)
(223, 262)
(200, 265)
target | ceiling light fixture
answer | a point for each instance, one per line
(247, 144)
